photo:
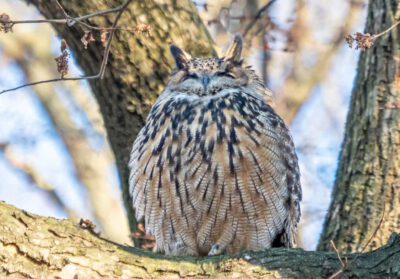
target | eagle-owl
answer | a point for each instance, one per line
(214, 170)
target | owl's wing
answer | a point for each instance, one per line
(261, 178)
(279, 151)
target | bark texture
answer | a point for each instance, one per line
(37, 247)
(368, 180)
(138, 65)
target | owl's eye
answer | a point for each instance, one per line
(190, 75)
(225, 74)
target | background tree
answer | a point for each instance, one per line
(366, 196)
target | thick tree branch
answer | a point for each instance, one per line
(37, 247)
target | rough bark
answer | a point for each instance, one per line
(37, 247)
(138, 66)
(367, 186)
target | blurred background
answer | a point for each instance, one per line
(54, 156)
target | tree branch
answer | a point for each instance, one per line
(68, 19)
(104, 62)
(260, 12)
(47, 248)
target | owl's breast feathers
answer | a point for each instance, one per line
(219, 169)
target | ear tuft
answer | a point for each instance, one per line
(181, 58)
(234, 53)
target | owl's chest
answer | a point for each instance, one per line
(181, 133)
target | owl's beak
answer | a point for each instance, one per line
(205, 80)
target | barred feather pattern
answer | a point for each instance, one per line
(214, 169)
(214, 174)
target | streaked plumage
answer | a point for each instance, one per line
(214, 169)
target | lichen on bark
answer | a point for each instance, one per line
(32, 246)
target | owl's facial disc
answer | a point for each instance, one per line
(208, 76)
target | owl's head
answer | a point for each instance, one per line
(209, 76)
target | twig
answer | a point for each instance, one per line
(347, 264)
(366, 40)
(387, 30)
(48, 81)
(68, 18)
(103, 65)
(107, 50)
(71, 20)
(336, 274)
(62, 9)
(337, 253)
(376, 230)
(344, 264)
(258, 16)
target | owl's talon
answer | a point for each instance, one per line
(215, 250)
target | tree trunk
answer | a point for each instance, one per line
(367, 186)
(37, 247)
(138, 65)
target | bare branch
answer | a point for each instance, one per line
(337, 253)
(365, 40)
(62, 9)
(387, 30)
(346, 264)
(68, 19)
(107, 49)
(376, 229)
(48, 81)
(103, 65)
(258, 16)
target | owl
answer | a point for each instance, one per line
(214, 169)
